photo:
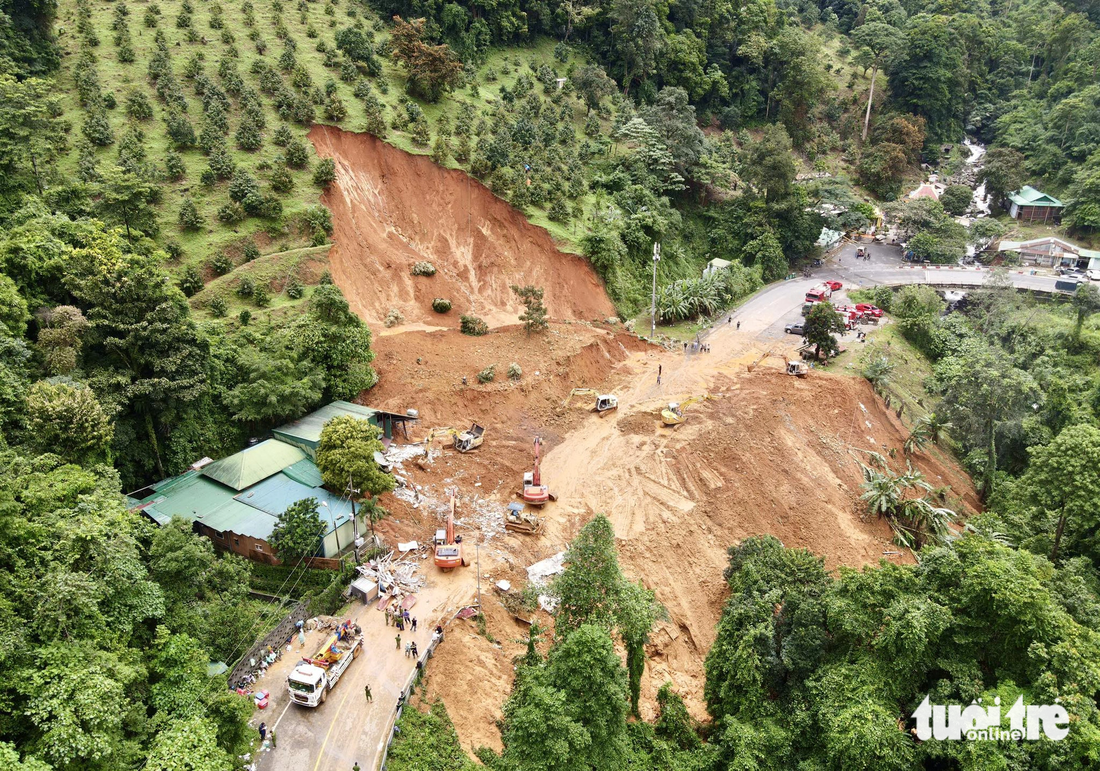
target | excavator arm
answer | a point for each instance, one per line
(580, 392)
(435, 433)
(694, 400)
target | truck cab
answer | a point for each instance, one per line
(307, 684)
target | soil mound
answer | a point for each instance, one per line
(391, 209)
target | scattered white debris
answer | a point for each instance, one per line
(404, 546)
(504, 585)
(540, 572)
(399, 453)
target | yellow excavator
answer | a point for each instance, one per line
(673, 414)
(603, 402)
(796, 368)
(464, 441)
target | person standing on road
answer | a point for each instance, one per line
(659, 369)
(366, 692)
(739, 323)
(263, 732)
(398, 642)
(414, 651)
(356, 767)
(414, 623)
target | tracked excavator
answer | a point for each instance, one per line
(796, 368)
(673, 414)
(463, 441)
(535, 493)
(604, 403)
(449, 551)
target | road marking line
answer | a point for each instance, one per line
(281, 716)
(321, 752)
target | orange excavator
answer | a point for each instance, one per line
(535, 492)
(449, 553)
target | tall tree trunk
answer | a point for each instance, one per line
(1058, 537)
(870, 99)
(990, 460)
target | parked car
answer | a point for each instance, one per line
(868, 309)
(794, 329)
(1094, 275)
(1076, 275)
(834, 285)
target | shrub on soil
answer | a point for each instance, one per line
(393, 318)
(440, 305)
(423, 268)
(472, 325)
(487, 375)
(514, 372)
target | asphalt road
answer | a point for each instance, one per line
(766, 314)
(347, 729)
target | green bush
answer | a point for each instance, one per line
(325, 172)
(244, 317)
(221, 263)
(251, 251)
(294, 289)
(261, 296)
(423, 268)
(218, 307)
(487, 375)
(441, 305)
(472, 325)
(191, 282)
(246, 287)
(514, 371)
(189, 218)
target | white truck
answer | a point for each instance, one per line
(310, 682)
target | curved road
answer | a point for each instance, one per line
(765, 314)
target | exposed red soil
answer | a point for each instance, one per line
(391, 209)
(773, 454)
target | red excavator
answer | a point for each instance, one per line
(449, 553)
(534, 491)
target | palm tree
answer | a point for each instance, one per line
(373, 511)
(877, 370)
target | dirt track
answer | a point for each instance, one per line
(392, 209)
(774, 454)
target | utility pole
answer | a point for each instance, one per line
(477, 553)
(653, 297)
(352, 492)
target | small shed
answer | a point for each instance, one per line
(716, 265)
(364, 589)
(305, 433)
(1030, 205)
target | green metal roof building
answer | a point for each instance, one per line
(305, 433)
(236, 501)
(1031, 205)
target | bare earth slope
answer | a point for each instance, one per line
(392, 209)
(773, 454)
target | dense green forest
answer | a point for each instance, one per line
(156, 182)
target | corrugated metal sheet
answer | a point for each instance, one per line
(305, 472)
(306, 432)
(253, 464)
(278, 493)
(234, 517)
(189, 496)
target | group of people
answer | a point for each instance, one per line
(400, 619)
(697, 346)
